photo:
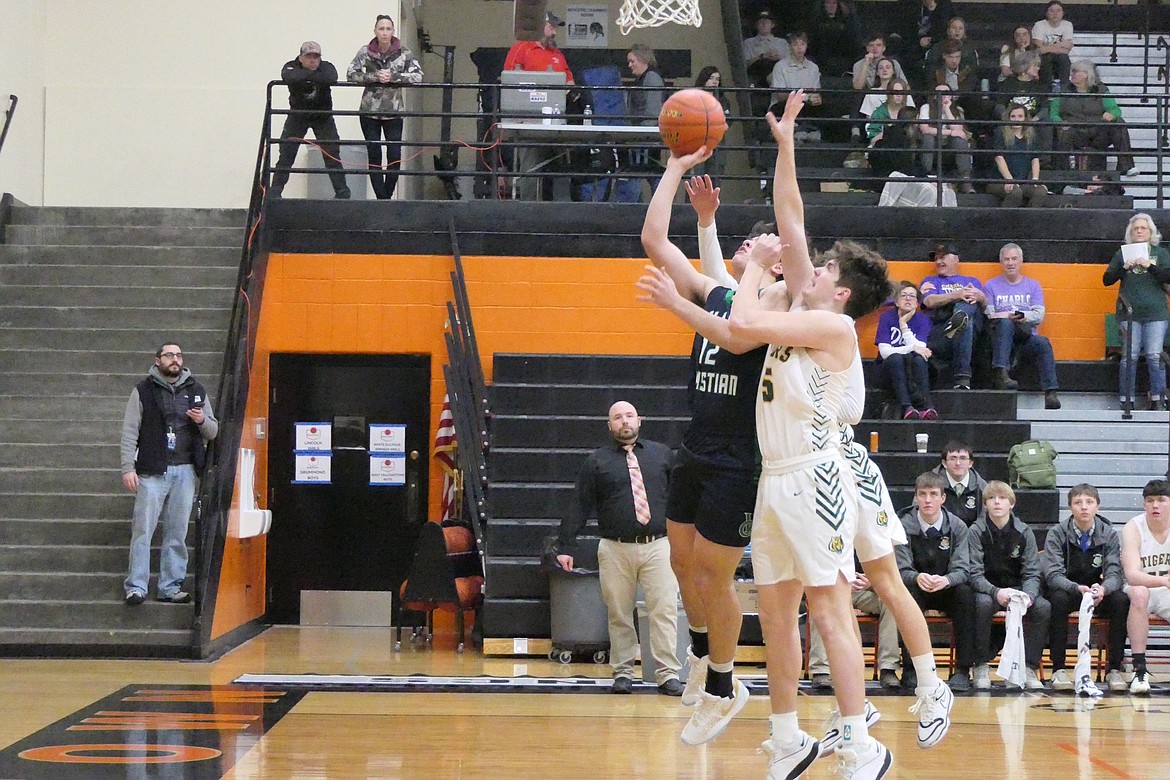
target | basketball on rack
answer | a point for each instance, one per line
(691, 118)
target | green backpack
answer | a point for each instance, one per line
(1030, 465)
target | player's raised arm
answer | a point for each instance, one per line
(658, 288)
(704, 197)
(788, 204)
(656, 230)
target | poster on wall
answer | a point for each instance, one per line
(313, 468)
(387, 438)
(387, 469)
(313, 437)
(587, 27)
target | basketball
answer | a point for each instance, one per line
(691, 118)
(459, 539)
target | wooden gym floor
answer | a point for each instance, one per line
(65, 719)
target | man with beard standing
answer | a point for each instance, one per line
(165, 430)
(624, 485)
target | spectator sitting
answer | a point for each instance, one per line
(865, 70)
(1142, 280)
(960, 78)
(895, 146)
(763, 50)
(1015, 308)
(957, 32)
(897, 97)
(1091, 118)
(934, 564)
(1143, 557)
(1052, 37)
(1023, 88)
(1004, 563)
(710, 79)
(834, 36)
(866, 601)
(1017, 159)
(798, 72)
(951, 135)
(1083, 555)
(957, 303)
(901, 337)
(1021, 42)
(879, 94)
(963, 486)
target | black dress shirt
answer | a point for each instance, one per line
(603, 491)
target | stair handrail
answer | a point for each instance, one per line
(219, 478)
(1126, 357)
(8, 112)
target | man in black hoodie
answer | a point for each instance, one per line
(308, 78)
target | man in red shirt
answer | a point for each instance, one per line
(542, 54)
(539, 55)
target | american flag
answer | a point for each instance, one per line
(446, 448)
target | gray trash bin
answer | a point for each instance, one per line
(649, 662)
(579, 620)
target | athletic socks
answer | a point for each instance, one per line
(719, 681)
(925, 670)
(699, 647)
(1139, 662)
(783, 727)
(854, 731)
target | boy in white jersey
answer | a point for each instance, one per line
(1145, 557)
(807, 505)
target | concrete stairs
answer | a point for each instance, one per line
(86, 296)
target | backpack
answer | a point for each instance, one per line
(1030, 465)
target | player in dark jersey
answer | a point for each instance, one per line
(713, 485)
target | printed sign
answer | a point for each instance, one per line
(387, 438)
(587, 27)
(313, 468)
(313, 436)
(387, 469)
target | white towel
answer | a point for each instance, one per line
(1011, 658)
(1083, 672)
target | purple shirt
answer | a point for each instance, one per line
(935, 285)
(1025, 295)
(889, 331)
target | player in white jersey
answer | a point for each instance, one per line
(807, 505)
(878, 527)
(1145, 557)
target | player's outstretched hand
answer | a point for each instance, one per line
(688, 161)
(704, 196)
(658, 288)
(785, 127)
(765, 251)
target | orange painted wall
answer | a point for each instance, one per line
(397, 304)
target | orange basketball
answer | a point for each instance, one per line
(459, 538)
(691, 118)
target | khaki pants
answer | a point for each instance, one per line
(888, 654)
(623, 567)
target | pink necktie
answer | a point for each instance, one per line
(641, 505)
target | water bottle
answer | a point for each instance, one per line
(588, 115)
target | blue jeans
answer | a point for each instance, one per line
(168, 497)
(1030, 348)
(957, 349)
(899, 369)
(1147, 339)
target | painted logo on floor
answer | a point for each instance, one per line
(134, 731)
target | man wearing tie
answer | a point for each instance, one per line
(624, 485)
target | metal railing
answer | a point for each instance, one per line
(9, 111)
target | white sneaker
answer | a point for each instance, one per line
(790, 760)
(832, 736)
(864, 762)
(712, 714)
(696, 679)
(1032, 680)
(1063, 681)
(1140, 685)
(982, 678)
(934, 713)
(1116, 681)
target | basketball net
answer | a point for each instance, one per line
(655, 13)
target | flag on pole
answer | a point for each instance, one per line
(446, 447)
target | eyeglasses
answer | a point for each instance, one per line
(172, 355)
(959, 458)
(910, 296)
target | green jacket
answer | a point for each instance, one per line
(1142, 289)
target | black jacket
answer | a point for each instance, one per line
(308, 90)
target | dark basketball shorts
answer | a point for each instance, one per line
(717, 500)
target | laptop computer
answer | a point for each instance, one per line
(525, 94)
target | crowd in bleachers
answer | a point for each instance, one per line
(921, 94)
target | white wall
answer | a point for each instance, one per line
(157, 103)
